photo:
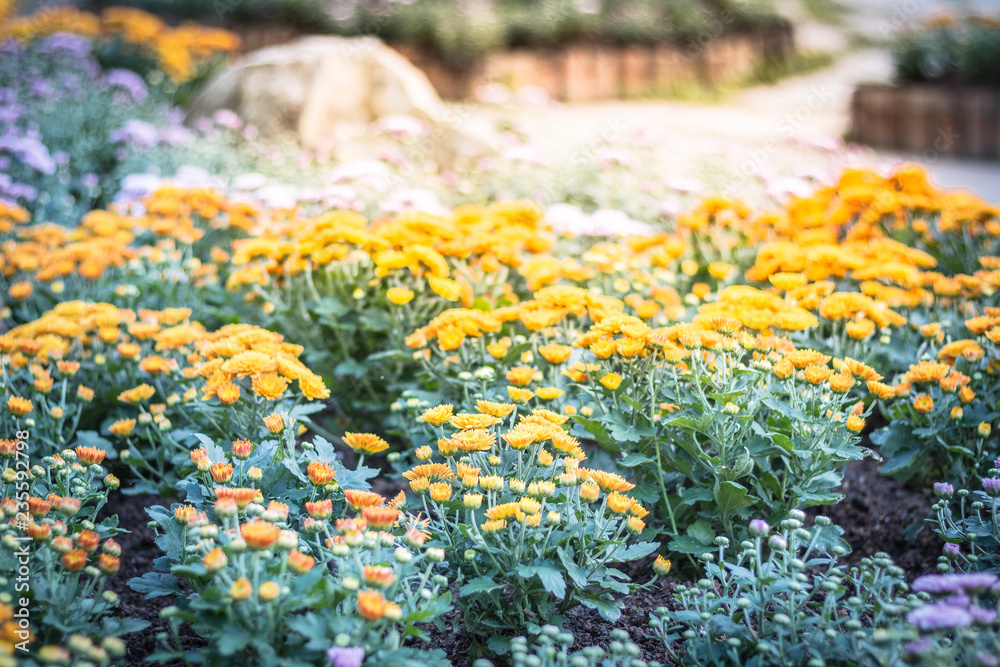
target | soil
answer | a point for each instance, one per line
(875, 514)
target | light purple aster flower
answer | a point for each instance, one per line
(983, 616)
(128, 81)
(137, 132)
(72, 45)
(919, 646)
(940, 584)
(346, 656)
(996, 464)
(939, 617)
(30, 151)
(943, 490)
(759, 528)
(227, 118)
(951, 549)
(991, 485)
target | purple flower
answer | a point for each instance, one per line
(939, 617)
(996, 464)
(992, 486)
(778, 543)
(73, 45)
(128, 81)
(943, 490)
(346, 656)
(227, 118)
(983, 616)
(759, 528)
(30, 151)
(940, 584)
(951, 549)
(919, 646)
(136, 132)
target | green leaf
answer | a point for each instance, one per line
(479, 585)
(701, 530)
(550, 577)
(732, 496)
(610, 610)
(155, 584)
(215, 453)
(686, 545)
(636, 551)
(634, 459)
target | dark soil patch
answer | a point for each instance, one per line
(875, 513)
(139, 550)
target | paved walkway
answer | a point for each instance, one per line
(784, 130)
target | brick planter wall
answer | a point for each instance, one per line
(600, 72)
(918, 118)
(585, 72)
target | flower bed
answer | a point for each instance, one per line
(307, 435)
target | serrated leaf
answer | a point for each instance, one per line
(634, 459)
(155, 584)
(551, 578)
(479, 585)
(731, 497)
(215, 453)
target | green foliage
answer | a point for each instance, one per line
(286, 581)
(532, 535)
(958, 50)
(548, 646)
(784, 599)
(57, 558)
(969, 523)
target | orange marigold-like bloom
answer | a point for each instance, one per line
(498, 410)
(431, 471)
(320, 509)
(371, 605)
(555, 354)
(923, 403)
(75, 560)
(137, 394)
(19, 406)
(320, 473)
(228, 393)
(470, 420)
(860, 371)
(108, 564)
(817, 374)
(440, 491)
(611, 380)
(221, 472)
(438, 415)
(880, 389)
(855, 424)
(608, 481)
(365, 443)
(359, 499)
(299, 562)
(259, 535)
(241, 589)
(969, 349)
(399, 295)
(378, 576)
(380, 518)
(521, 375)
(275, 423)
(87, 540)
(242, 449)
(122, 428)
(242, 496)
(90, 455)
(269, 385)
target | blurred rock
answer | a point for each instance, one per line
(317, 85)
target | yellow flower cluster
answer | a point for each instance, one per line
(106, 240)
(179, 52)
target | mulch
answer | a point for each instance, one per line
(875, 514)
